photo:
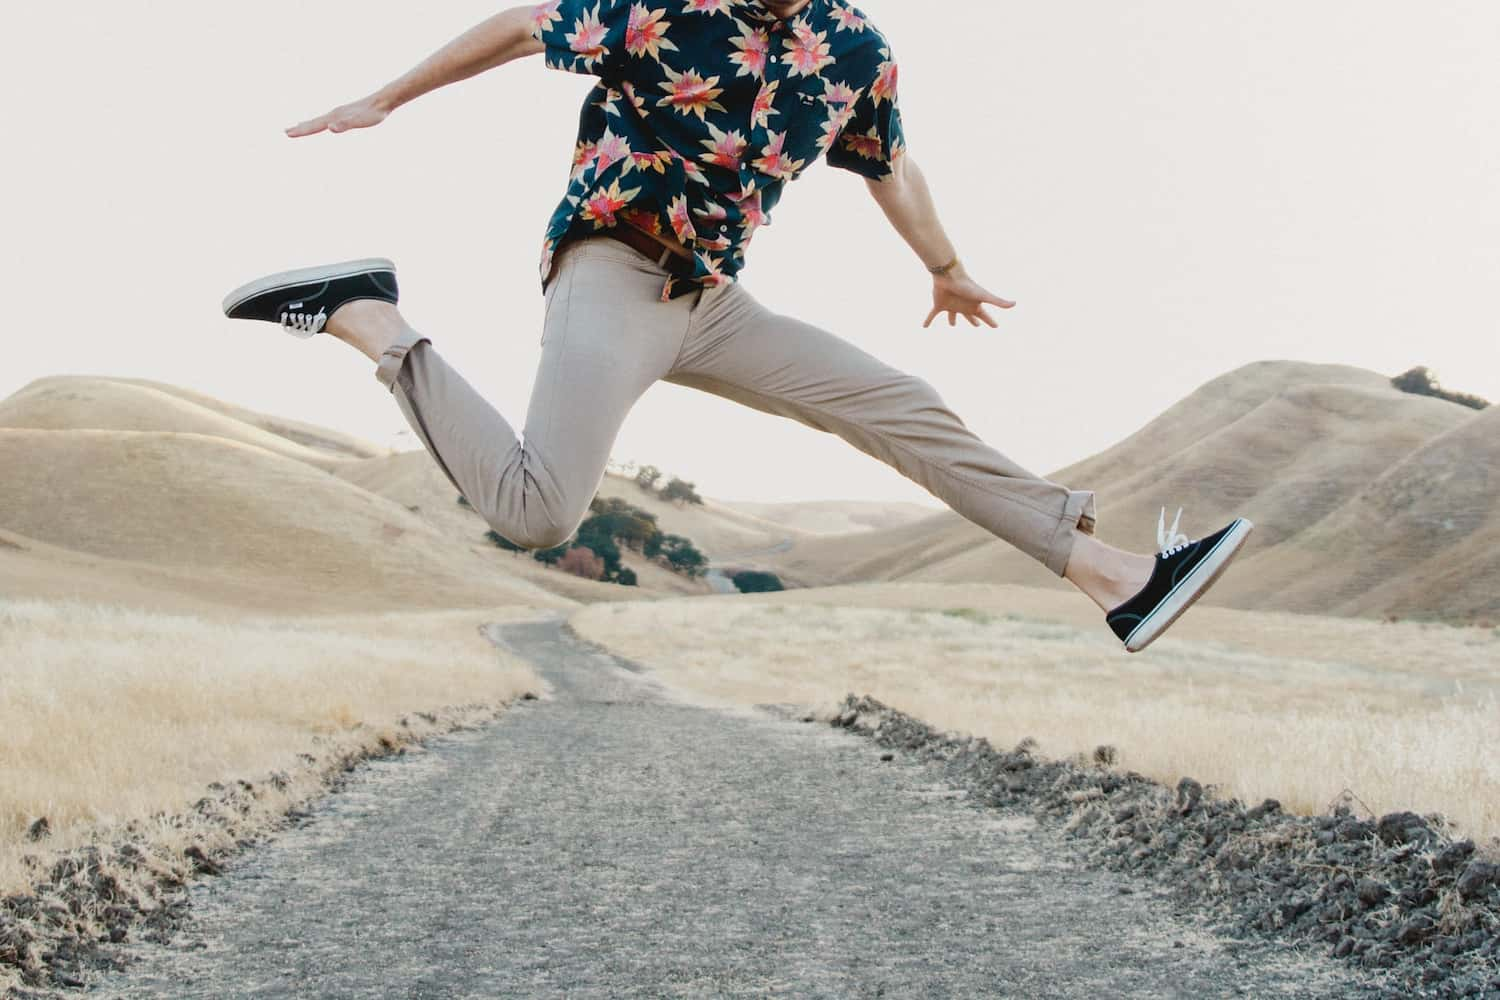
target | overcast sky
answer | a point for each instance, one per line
(1169, 189)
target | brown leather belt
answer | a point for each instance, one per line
(632, 237)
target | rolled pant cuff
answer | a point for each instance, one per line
(391, 362)
(1078, 518)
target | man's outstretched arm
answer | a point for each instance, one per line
(490, 43)
(907, 201)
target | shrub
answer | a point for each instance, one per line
(552, 556)
(581, 562)
(463, 501)
(626, 578)
(592, 538)
(500, 541)
(647, 478)
(756, 582)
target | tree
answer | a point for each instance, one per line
(629, 525)
(553, 556)
(680, 490)
(646, 479)
(1423, 381)
(626, 578)
(756, 582)
(581, 562)
(682, 556)
(594, 536)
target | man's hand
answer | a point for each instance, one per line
(956, 294)
(363, 113)
(493, 42)
(907, 203)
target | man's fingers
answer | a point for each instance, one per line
(930, 317)
(996, 300)
(988, 319)
(952, 318)
(309, 127)
(971, 319)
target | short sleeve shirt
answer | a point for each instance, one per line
(703, 111)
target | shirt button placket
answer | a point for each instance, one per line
(775, 73)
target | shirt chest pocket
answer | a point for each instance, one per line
(812, 116)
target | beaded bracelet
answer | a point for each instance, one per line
(944, 269)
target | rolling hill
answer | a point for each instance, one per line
(219, 516)
(83, 403)
(1368, 501)
(135, 492)
(1325, 459)
(834, 517)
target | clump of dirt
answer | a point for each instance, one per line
(135, 887)
(1397, 894)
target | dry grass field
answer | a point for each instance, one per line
(1264, 705)
(112, 716)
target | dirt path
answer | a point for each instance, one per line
(608, 841)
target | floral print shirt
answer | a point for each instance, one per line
(706, 108)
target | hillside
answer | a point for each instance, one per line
(834, 517)
(719, 529)
(1368, 501)
(73, 402)
(1426, 533)
(414, 481)
(1290, 445)
(219, 516)
(139, 493)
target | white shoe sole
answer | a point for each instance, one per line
(302, 276)
(1190, 587)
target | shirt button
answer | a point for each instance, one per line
(775, 59)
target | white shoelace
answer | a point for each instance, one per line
(1170, 540)
(303, 324)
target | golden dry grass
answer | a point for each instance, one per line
(1263, 705)
(113, 716)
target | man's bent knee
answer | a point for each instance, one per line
(533, 540)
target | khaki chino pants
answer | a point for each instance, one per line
(607, 338)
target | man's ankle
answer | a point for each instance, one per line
(367, 325)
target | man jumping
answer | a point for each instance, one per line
(704, 110)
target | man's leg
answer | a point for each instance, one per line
(606, 339)
(739, 350)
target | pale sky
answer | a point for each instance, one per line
(1169, 189)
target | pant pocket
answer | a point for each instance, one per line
(563, 275)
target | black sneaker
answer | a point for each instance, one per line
(301, 301)
(1183, 573)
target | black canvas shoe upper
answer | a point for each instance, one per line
(1174, 563)
(303, 301)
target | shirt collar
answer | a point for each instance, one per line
(761, 12)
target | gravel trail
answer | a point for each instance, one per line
(611, 841)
